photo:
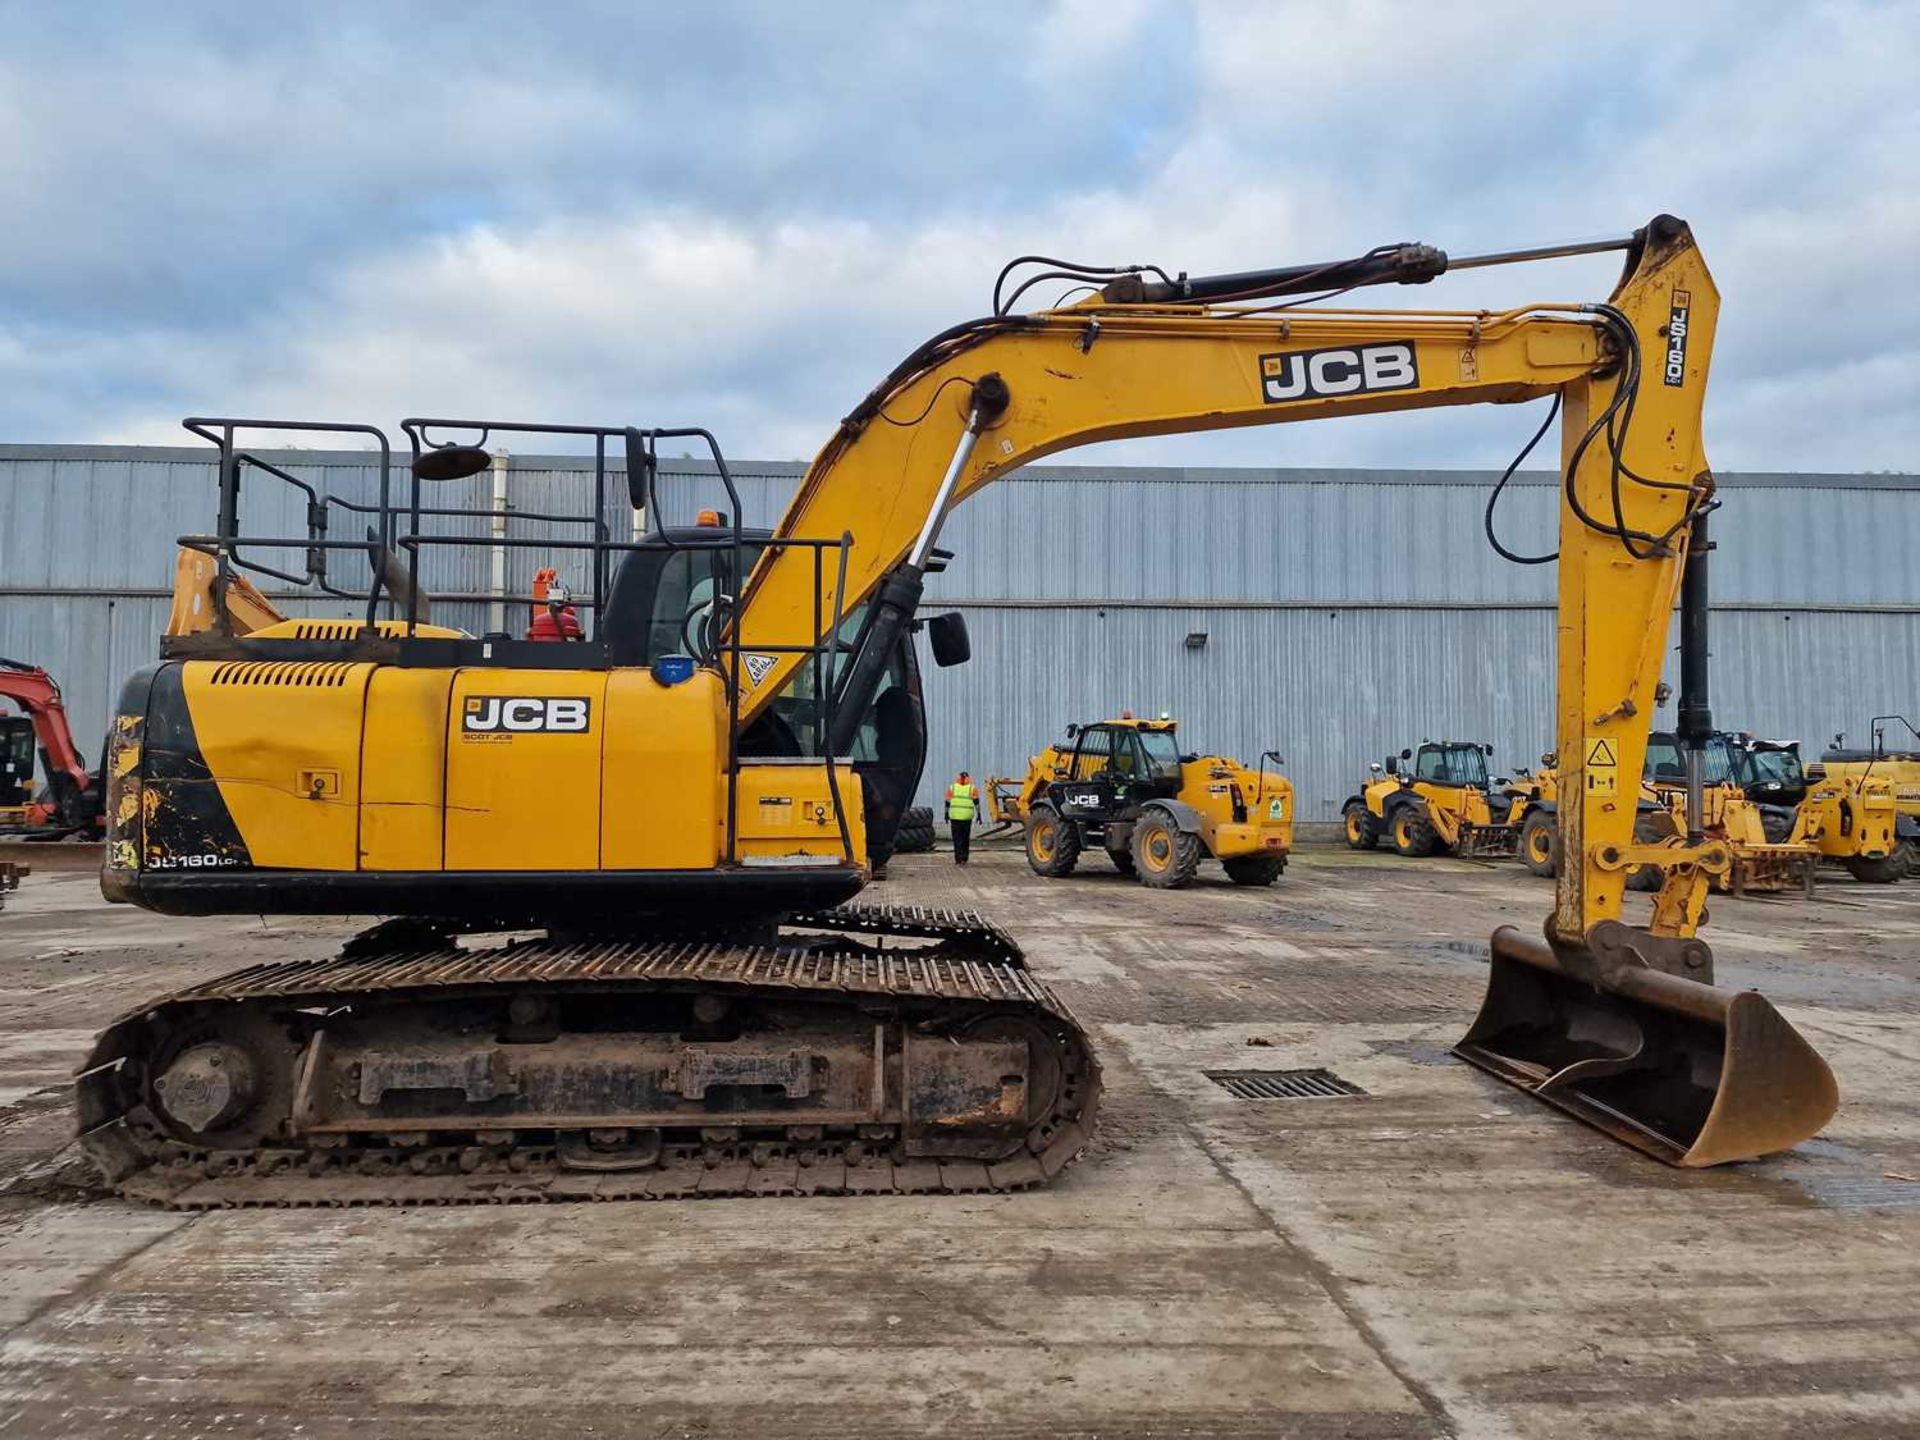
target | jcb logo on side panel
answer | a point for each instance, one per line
(526, 714)
(1345, 370)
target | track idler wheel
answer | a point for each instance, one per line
(1632, 1037)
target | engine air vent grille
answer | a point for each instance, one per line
(314, 674)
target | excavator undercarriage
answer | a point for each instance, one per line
(860, 1050)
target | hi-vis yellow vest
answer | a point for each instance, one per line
(960, 801)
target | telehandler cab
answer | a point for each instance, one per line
(1442, 802)
(1123, 786)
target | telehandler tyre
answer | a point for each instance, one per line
(1650, 829)
(1896, 865)
(1540, 843)
(1412, 832)
(916, 832)
(1164, 855)
(1254, 869)
(1362, 830)
(1053, 844)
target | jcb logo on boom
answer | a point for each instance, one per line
(522, 714)
(1344, 370)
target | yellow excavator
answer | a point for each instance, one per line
(669, 995)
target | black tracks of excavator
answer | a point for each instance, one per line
(971, 964)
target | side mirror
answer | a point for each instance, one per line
(1072, 730)
(1489, 750)
(450, 462)
(947, 634)
(1406, 754)
(1374, 768)
(642, 465)
(1393, 766)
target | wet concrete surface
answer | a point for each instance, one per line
(1440, 1256)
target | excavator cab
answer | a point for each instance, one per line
(669, 596)
(16, 763)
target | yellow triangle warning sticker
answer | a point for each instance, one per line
(1601, 753)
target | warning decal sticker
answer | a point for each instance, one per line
(1603, 767)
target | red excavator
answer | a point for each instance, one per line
(72, 801)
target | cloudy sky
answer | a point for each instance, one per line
(740, 215)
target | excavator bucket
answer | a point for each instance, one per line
(1691, 1074)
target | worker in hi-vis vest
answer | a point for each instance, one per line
(963, 798)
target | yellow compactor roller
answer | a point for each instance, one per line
(621, 961)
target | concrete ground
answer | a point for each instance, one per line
(1441, 1256)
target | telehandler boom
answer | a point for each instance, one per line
(698, 1018)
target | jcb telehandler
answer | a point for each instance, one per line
(668, 995)
(1877, 773)
(1123, 786)
(1442, 802)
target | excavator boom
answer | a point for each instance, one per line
(1629, 376)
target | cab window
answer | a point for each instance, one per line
(1664, 760)
(1162, 752)
(1094, 754)
(682, 601)
(1451, 765)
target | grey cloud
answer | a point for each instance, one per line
(742, 218)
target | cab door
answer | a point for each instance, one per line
(1089, 792)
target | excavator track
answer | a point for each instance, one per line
(411, 1069)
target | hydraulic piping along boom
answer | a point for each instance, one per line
(1572, 1021)
(899, 597)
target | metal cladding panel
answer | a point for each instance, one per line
(1410, 537)
(1107, 535)
(1330, 690)
(1352, 569)
(1335, 689)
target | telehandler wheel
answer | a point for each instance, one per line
(1254, 869)
(1122, 861)
(1363, 831)
(1053, 844)
(1412, 832)
(915, 836)
(1895, 865)
(1164, 855)
(1540, 843)
(1650, 829)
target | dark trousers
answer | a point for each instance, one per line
(962, 838)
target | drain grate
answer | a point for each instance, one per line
(1283, 1084)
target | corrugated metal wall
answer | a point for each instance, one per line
(1345, 612)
